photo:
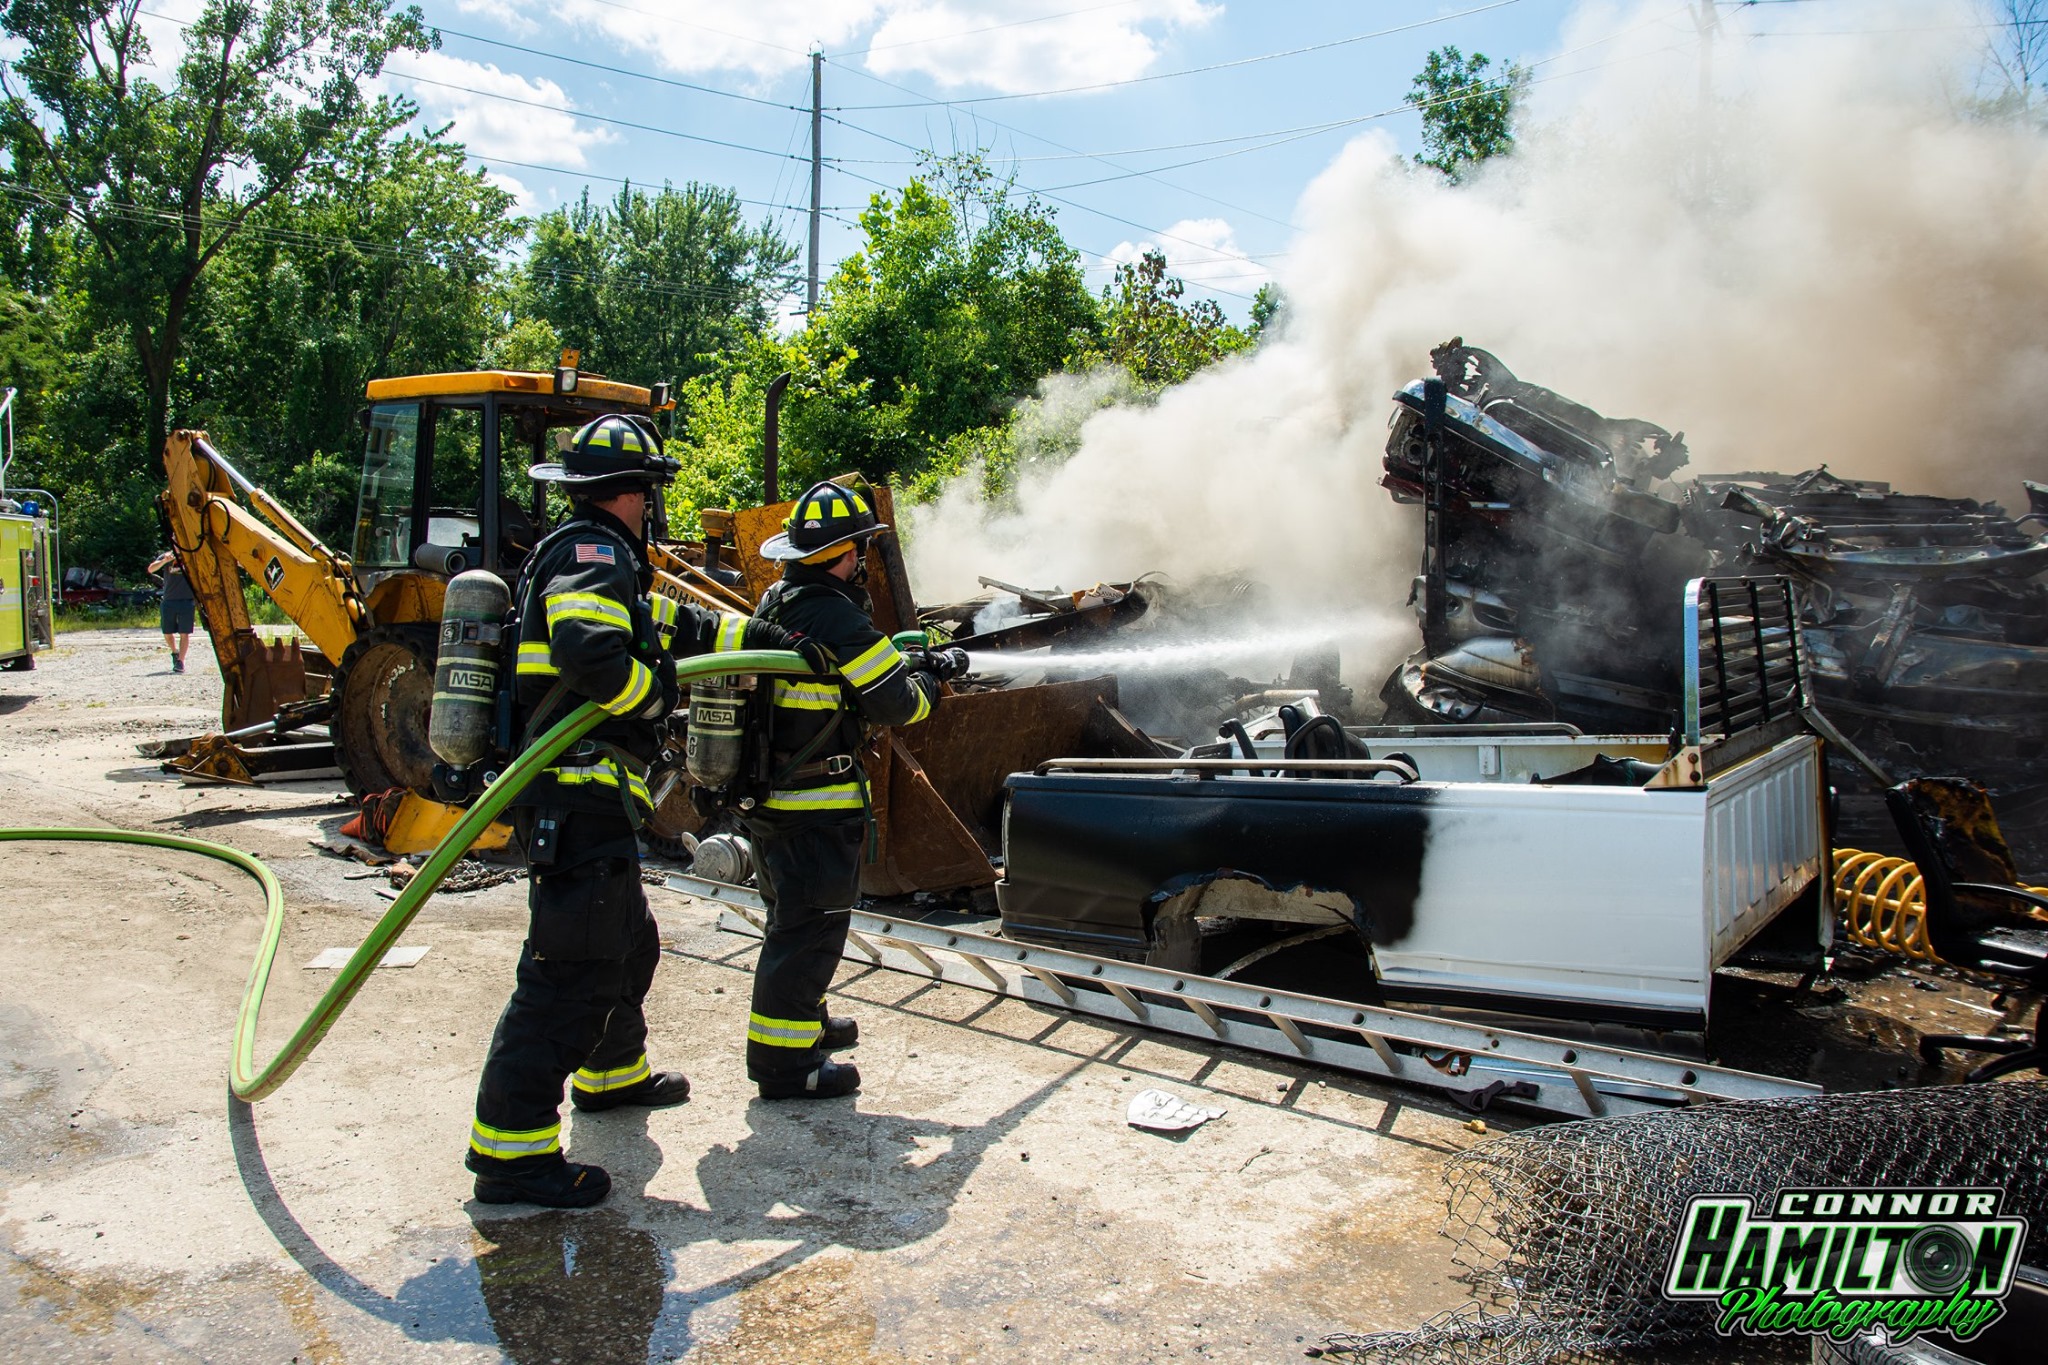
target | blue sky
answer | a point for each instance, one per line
(907, 74)
(1093, 103)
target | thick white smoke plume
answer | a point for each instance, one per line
(1831, 261)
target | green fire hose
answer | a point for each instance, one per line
(244, 1078)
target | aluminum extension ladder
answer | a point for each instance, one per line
(1474, 1063)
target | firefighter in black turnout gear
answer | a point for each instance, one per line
(809, 825)
(589, 631)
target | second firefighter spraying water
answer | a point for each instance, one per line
(809, 817)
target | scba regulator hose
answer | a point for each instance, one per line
(244, 1078)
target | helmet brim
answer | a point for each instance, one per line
(778, 546)
(555, 472)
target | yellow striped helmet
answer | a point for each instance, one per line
(824, 521)
(609, 454)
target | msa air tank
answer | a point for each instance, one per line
(466, 671)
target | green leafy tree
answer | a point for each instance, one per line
(524, 344)
(724, 411)
(384, 263)
(961, 298)
(1149, 331)
(262, 91)
(1467, 116)
(1267, 305)
(649, 286)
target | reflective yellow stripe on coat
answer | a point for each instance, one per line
(639, 687)
(807, 696)
(604, 775)
(666, 614)
(837, 796)
(587, 606)
(537, 660)
(873, 664)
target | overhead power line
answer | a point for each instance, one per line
(1405, 107)
(558, 108)
(788, 157)
(612, 69)
(1201, 70)
(488, 161)
(585, 114)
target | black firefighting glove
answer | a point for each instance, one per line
(671, 691)
(816, 653)
(942, 664)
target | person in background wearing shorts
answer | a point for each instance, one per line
(175, 615)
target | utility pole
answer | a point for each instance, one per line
(1707, 19)
(817, 178)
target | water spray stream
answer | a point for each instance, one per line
(1273, 642)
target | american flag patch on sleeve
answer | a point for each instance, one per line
(586, 553)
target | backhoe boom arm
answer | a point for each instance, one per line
(217, 539)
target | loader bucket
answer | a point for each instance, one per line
(269, 672)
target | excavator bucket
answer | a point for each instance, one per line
(268, 673)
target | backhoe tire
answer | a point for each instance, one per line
(385, 694)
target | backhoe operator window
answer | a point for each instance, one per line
(384, 513)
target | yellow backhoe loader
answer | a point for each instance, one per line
(444, 489)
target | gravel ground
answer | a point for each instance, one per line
(982, 1199)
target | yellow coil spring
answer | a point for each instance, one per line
(1884, 903)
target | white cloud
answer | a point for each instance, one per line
(511, 13)
(1202, 251)
(765, 38)
(1110, 42)
(493, 127)
(955, 43)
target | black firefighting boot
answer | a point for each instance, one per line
(826, 1082)
(658, 1091)
(839, 1035)
(563, 1185)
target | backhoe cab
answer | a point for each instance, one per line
(444, 488)
(444, 471)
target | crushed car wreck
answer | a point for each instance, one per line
(1551, 533)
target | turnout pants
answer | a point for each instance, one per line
(589, 958)
(809, 878)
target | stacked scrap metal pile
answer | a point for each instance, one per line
(1556, 536)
